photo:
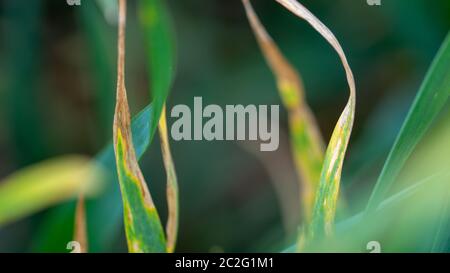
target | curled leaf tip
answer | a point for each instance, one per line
(326, 197)
(306, 140)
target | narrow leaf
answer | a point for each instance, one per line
(157, 29)
(142, 225)
(45, 184)
(327, 195)
(430, 100)
(306, 141)
(172, 185)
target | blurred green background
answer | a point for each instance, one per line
(57, 90)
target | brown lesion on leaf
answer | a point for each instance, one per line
(122, 119)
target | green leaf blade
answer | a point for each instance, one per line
(143, 227)
(157, 28)
(142, 224)
(430, 100)
(160, 48)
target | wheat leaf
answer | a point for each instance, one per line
(172, 184)
(157, 28)
(142, 225)
(306, 141)
(430, 100)
(45, 184)
(327, 195)
(159, 40)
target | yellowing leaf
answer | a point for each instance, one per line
(327, 195)
(142, 225)
(172, 184)
(47, 183)
(306, 141)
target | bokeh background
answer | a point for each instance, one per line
(57, 98)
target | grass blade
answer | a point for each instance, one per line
(431, 98)
(172, 185)
(156, 24)
(107, 211)
(306, 141)
(142, 225)
(326, 198)
(103, 213)
(157, 29)
(45, 184)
